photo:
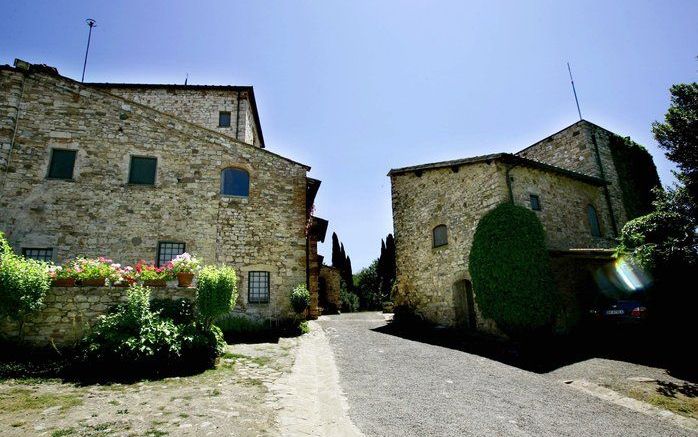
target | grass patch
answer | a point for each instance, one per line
(63, 432)
(253, 382)
(20, 399)
(260, 361)
(677, 403)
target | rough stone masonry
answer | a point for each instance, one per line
(99, 212)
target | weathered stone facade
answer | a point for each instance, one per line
(98, 212)
(329, 289)
(562, 171)
(199, 104)
(68, 311)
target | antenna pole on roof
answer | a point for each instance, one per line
(92, 23)
(579, 111)
(186, 79)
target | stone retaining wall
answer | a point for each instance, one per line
(68, 311)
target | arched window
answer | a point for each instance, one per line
(235, 182)
(440, 235)
(593, 221)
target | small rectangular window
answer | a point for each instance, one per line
(168, 250)
(62, 164)
(142, 170)
(224, 119)
(258, 287)
(535, 202)
(39, 254)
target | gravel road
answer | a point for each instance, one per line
(396, 386)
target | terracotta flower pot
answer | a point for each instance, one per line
(97, 282)
(158, 283)
(185, 279)
(64, 282)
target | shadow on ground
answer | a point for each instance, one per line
(631, 344)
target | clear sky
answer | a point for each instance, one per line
(354, 88)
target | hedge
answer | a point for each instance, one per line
(510, 270)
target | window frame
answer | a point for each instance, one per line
(433, 236)
(130, 171)
(230, 118)
(45, 258)
(260, 299)
(240, 169)
(159, 251)
(537, 206)
(50, 164)
(595, 225)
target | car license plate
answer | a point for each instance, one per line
(614, 312)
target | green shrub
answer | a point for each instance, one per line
(510, 269)
(239, 324)
(23, 285)
(300, 298)
(179, 311)
(349, 301)
(216, 292)
(132, 338)
(135, 340)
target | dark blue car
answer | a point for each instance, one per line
(620, 311)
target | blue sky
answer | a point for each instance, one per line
(354, 88)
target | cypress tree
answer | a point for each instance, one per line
(336, 254)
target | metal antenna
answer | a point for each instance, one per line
(574, 91)
(92, 23)
(186, 79)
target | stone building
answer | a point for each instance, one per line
(149, 171)
(569, 179)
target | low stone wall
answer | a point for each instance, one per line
(68, 311)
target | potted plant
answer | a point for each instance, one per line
(185, 266)
(93, 272)
(151, 275)
(122, 276)
(63, 276)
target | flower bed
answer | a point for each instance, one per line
(101, 272)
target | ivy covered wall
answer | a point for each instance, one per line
(637, 175)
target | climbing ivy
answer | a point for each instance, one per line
(637, 175)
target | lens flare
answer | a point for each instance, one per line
(622, 277)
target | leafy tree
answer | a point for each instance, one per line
(367, 286)
(510, 269)
(23, 285)
(678, 135)
(337, 258)
(387, 266)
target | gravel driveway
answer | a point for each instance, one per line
(396, 386)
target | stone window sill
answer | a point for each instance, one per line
(226, 197)
(61, 179)
(139, 186)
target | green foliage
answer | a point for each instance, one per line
(341, 261)
(179, 311)
(300, 298)
(678, 135)
(23, 284)
(136, 340)
(367, 286)
(387, 267)
(510, 270)
(664, 243)
(637, 175)
(349, 301)
(239, 324)
(132, 336)
(216, 292)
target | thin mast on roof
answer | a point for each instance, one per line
(92, 23)
(186, 79)
(579, 111)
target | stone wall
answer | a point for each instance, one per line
(329, 289)
(420, 203)
(573, 148)
(199, 105)
(68, 311)
(459, 199)
(563, 211)
(100, 213)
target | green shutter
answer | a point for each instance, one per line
(62, 164)
(142, 170)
